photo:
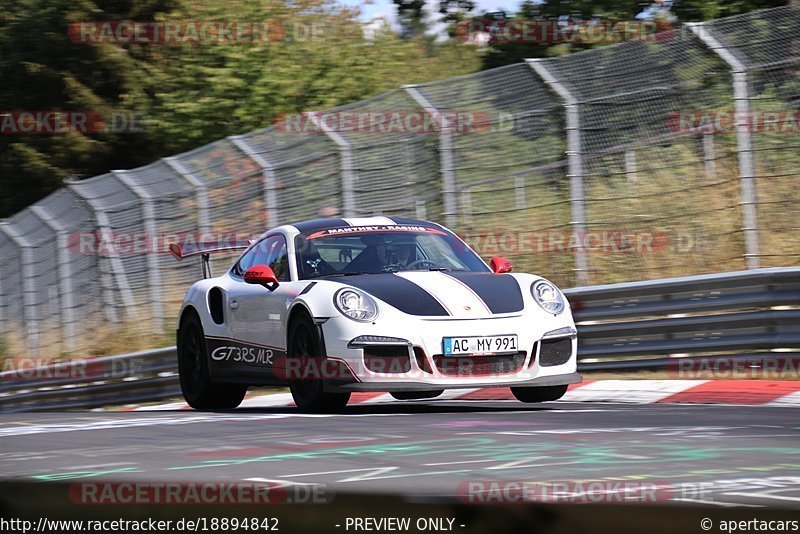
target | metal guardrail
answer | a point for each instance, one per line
(125, 378)
(747, 315)
(744, 315)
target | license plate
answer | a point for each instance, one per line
(456, 346)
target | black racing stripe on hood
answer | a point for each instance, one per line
(406, 296)
(500, 292)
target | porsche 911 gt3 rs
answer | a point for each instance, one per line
(333, 306)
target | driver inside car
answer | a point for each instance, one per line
(400, 254)
(381, 255)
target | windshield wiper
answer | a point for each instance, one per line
(354, 273)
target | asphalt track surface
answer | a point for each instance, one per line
(715, 455)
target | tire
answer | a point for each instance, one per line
(414, 395)
(539, 394)
(309, 394)
(198, 389)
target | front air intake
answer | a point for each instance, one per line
(555, 352)
(500, 364)
(387, 358)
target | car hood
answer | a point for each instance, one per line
(443, 294)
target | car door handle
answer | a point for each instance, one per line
(234, 304)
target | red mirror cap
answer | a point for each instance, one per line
(500, 265)
(260, 274)
(176, 250)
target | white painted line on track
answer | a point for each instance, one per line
(792, 399)
(629, 391)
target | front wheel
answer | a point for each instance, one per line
(309, 392)
(539, 394)
(198, 389)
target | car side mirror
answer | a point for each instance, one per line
(500, 265)
(261, 275)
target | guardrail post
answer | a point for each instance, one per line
(66, 289)
(575, 166)
(3, 328)
(154, 269)
(744, 140)
(446, 154)
(346, 157)
(116, 268)
(28, 287)
(268, 176)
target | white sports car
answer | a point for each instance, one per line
(332, 306)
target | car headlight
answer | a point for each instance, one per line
(548, 297)
(356, 305)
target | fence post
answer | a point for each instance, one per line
(28, 288)
(446, 154)
(115, 265)
(201, 190)
(744, 140)
(420, 211)
(346, 155)
(267, 175)
(203, 218)
(631, 171)
(153, 267)
(709, 158)
(519, 190)
(575, 166)
(466, 206)
(67, 295)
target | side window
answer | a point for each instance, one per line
(257, 255)
(278, 258)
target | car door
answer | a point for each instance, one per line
(255, 312)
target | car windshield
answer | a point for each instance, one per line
(382, 249)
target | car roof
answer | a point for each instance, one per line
(314, 225)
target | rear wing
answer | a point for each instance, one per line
(185, 250)
(205, 249)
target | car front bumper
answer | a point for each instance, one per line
(550, 380)
(425, 335)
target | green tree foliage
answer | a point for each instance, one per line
(43, 70)
(664, 13)
(189, 94)
(411, 16)
(455, 11)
